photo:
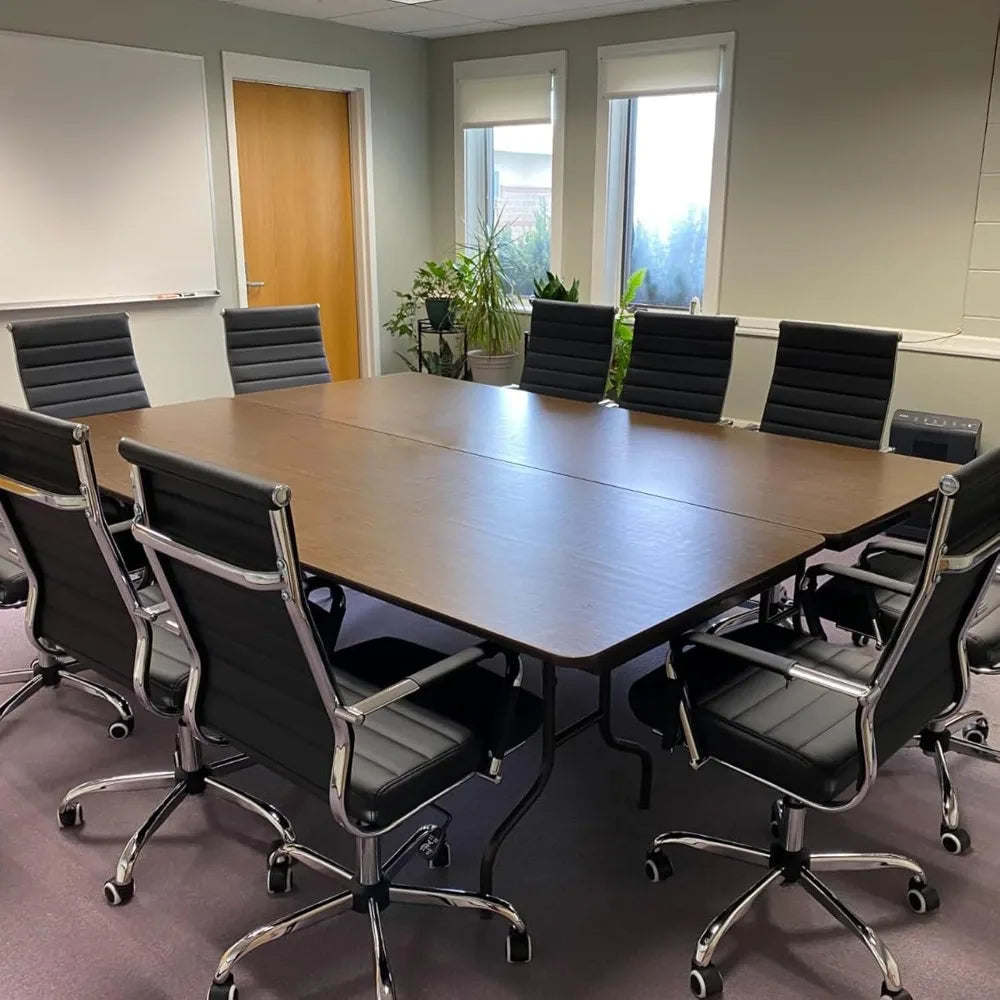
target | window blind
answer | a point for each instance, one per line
(504, 100)
(677, 72)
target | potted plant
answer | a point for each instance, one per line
(438, 286)
(554, 289)
(624, 323)
(491, 324)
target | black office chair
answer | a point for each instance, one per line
(568, 350)
(27, 484)
(680, 365)
(275, 348)
(78, 366)
(377, 730)
(831, 383)
(868, 600)
(816, 721)
(85, 613)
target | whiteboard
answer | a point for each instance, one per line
(105, 175)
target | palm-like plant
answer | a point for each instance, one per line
(487, 305)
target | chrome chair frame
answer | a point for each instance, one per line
(963, 732)
(371, 888)
(787, 862)
(190, 776)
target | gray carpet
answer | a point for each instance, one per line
(574, 868)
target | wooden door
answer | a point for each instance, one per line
(298, 221)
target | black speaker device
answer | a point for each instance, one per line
(937, 436)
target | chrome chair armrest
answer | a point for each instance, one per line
(783, 665)
(117, 529)
(357, 713)
(860, 576)
(896, 545)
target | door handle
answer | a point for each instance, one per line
(255, 284)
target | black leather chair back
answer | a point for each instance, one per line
(930, 675)
(568, 352)
(76, 606)
(680, 365)
(831, 383)
(254, 684)
(275, 348)
(78, 366)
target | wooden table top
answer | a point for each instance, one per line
(845, 494)
(578, 572)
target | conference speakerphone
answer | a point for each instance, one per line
(937, 436)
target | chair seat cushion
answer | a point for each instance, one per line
(844, 602)
(415, 749)
(13, 583)
(404, 755)
(791, 733)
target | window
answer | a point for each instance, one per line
(664, 162)
(509, 146)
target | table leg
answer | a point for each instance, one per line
(625, 746)
(519, 811)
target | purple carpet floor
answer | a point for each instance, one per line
(574, 868)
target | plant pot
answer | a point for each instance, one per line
(438, 313)
(493, 369)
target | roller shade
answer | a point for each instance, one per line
(504, 100)
(677, 72)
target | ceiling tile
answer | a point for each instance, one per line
(510, 10)
(472, 27)
(319, 8)
(407, 19)
(605, 10)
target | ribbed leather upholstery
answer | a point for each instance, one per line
(80, 610)
(78, 366)
(845, 603)
(275, 348)
(13, 582)
(804, 738)
(831, 384)
(680, 365)
(568, 352)
(256, 686)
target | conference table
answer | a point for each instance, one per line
(578, 534)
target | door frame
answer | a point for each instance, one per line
(356, 83)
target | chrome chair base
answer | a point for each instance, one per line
(965, 734)
(371, 891)
(191, 776)
(48, 672)
(788, 863)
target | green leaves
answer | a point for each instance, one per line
(554, 289)
(624, 322)
(487, 311)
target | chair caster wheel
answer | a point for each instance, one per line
(922, 898)
(705, 981)
(280, 879)
(121, 729)
(70, 816)
(955, 841)
(118, 893)
(978, 732)
(279, 873)
(442, 857)
(898, 995)
(860, 640)
(223, 991)
(776, 816)
(518, 947)
(658, 866)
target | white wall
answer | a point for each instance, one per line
(855, 158)
(180, 345)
